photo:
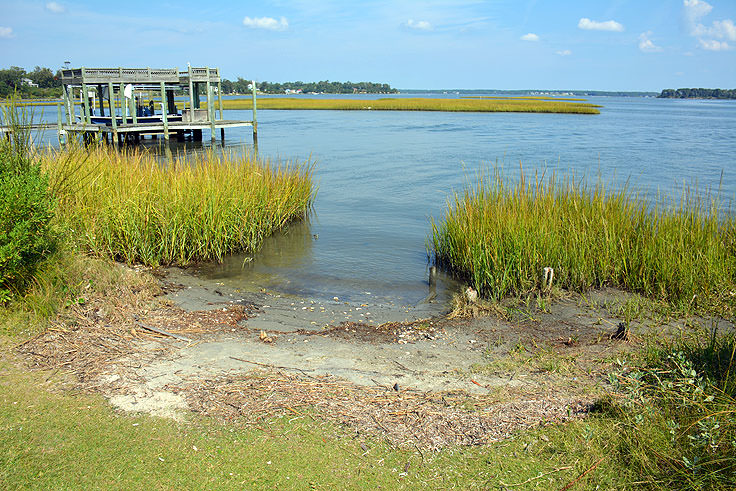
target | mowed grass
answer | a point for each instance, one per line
(500, 236)
(52, 439)
(509, 104)
(131, 207)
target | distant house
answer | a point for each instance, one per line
(292, 91)
(28, 82)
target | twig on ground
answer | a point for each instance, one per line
(269, 365)
(589, 469)
(164, 333)
(535, 478)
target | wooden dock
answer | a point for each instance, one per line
(122, 114)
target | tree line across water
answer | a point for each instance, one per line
(699, 93)
(243, 86)
(43, 82)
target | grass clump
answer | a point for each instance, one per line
(508, 104)
(502, 236)
(130, 207)
(677, 413)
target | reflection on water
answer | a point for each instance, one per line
(288, 263)
(285, 250)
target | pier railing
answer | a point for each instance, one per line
(78, 76)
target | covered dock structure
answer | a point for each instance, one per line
(110, 102)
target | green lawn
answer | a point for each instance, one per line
(51, 438)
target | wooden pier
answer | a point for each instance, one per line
(122, 114)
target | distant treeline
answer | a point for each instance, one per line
(698, 94)
(242, 86)
(531, 92)
(41, 82)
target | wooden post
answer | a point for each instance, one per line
(255, 121)
(164, 110)
(67, 104)
(85, 104)
(59, 126)
(111, 101)
(210, 106)
(219, 97)
(85, 99)
(191, 95)
(72, 104)
(123, 104)
(102, 100)
(134, 109)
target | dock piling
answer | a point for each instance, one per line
(255, 121)
(59, 125)
(210, 106)
(164, 110)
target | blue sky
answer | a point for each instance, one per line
(534, 44)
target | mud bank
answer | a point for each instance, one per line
(411, 374)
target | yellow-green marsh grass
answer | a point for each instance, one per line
(129, 206)
(500, 236)
(418, 104)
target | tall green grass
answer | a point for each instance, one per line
(131, 207)
(500, 236)
(508, 104)
(677, 413)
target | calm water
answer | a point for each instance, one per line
(381, 175)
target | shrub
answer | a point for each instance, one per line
(26, 208)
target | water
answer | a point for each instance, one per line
(382, 175)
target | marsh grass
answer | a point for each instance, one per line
(130, 207)
(500, 236)
(419, 104)
(68, 278)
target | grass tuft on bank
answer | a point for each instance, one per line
(131, 207)
(676, 412)
(500, 236)
(509, 104)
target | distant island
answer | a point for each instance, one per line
(43, 82)
(532, 92)
(243, 86)
(698, 94)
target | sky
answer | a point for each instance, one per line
(627, 45)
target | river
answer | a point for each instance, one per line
(382, 175)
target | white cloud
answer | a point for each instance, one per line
(713, 45)
(421, 25)
(693, 11)
(646, 45)
(593, 25)
(266, 23)
(530, 37)
(564, 52)
(708, 36)
(721, 29)
(6, 32)
(55, 7)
